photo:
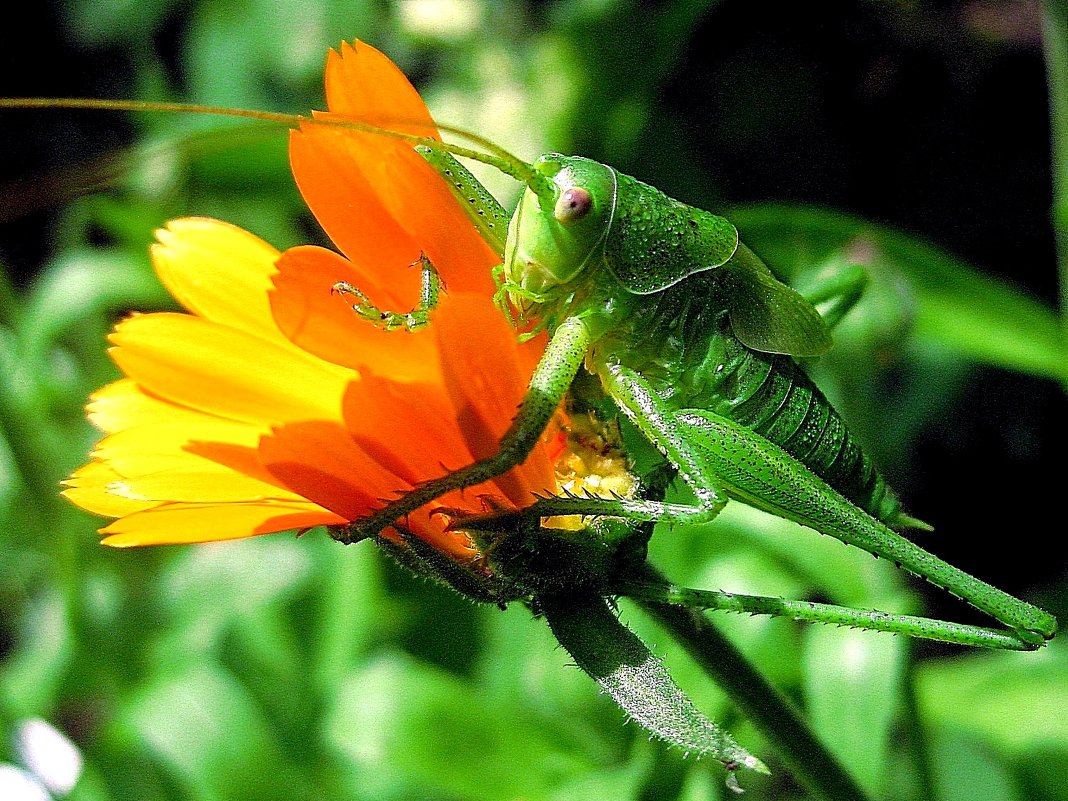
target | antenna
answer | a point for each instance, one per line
(496, 157)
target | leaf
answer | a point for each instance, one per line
(852, 683)
(637, 681)
(966, 771)
(1017, 701)
(980, 317)
(413, 730)
(202, 724)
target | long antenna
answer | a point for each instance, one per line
(497, 157)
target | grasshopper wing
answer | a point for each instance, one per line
(769, 316)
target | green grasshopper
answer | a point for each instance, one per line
(688, 336)
(695, 343)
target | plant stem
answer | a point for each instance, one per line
(917, 734)
(805, 756)
(1055, 44)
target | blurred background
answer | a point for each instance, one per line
(912, 137)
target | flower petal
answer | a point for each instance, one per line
(320, 461)
(323, 323)
(175, 523)
(191, 256)
(123, 404)
(410, 430)
(223, 371)
(376, 198)
(348, 206)
(363, 82)
(199, 486)
(87, 487)
(482, 374)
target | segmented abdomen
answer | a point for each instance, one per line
(773, 396)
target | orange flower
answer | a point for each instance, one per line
(271, 405)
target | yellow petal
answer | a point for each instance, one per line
(222, 371)
(87, 488)
(203, 444)
(199, 486)
(218, 271)
(207, 522)
(123, 404)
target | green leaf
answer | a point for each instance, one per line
(216, 587)
(32, 674)
(852, 683)
(955, 305)
(636, 680)
(205, 728)
(966, 771)
(1017, 701)
(411, 727)
(1055, 45)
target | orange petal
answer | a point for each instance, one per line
(378, 200)
(347, 205)
(483, 377)
(324, 323)
(361, 81)
(410, 430)
(320, 461)
(365, 85)
(206, 522)
(223, 371)
(218, 271)
(354, 182)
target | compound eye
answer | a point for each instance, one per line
(573, 205)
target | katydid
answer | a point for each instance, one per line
(692, 339)
(695, 342)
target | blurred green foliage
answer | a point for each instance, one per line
(281, 669)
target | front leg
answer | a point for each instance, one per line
(658, 423)
(418, 317)
(561, 361)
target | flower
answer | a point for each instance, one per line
(271, 405)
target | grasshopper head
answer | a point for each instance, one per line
(552, 238)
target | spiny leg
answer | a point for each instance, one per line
(561, 361)
(765, 476)
(634, 509)
(418, 317)
(811, 612)
(641, 404)
(487, 214)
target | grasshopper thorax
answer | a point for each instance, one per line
(552, 238)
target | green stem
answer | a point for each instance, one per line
(917, 733)
(1055, 43)
(26, 423)
(805, 756)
